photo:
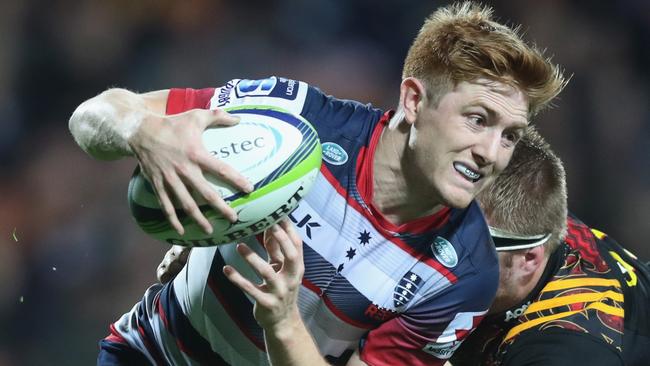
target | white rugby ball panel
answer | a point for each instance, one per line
(257, 146)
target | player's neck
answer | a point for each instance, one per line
(394, 196)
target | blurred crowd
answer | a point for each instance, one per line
(72, 259)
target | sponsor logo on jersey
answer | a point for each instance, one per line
(306, 222)
(291, 86)
(223, 97)
(514, 314)
(442, 351)
(378, 313)
(444, 252)
(262, 87)
(272, 87)
(334, 153)
(406, 289)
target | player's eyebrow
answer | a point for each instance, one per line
(494, 115)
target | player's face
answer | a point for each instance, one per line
(507, 292)
(465, 141)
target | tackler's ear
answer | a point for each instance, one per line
(533, 258)
(412, 98)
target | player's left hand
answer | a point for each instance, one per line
(276, 297)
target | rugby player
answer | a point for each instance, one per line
(568, 294)
(398, 262)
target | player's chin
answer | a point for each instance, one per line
(457, 197)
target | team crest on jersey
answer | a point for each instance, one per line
(444, 252)
(334, 153)
(406, 289)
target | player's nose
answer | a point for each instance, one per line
(486, 150)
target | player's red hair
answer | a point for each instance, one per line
(462, 42)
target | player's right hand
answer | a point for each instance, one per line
(171, 154)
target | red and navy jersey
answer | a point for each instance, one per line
(406, 295)
(591, 307)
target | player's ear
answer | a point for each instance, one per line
(411, 98)
(533, 258)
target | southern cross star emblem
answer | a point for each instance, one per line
(351, 253)
(364, 237)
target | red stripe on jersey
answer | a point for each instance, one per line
(439, 267)
(312, 287)
(115, 336)
(339, 314)
(462, 333)
(153, 351)
(232, 315)
(389, 346)
(161, 311)
(181, 100)
(377, 224)
(181, 346)
(163, 317)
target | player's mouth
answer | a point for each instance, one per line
(469, 174)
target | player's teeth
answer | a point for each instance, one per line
(470, 174)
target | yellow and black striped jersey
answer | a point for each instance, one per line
(591, 307)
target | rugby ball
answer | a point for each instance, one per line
(278, 151)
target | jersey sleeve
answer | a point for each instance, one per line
(273, 91)
(429, 333)
(556, 347)
(181, 100)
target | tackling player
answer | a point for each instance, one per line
(583, 300)
(398, 264)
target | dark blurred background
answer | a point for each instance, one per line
(71, 258)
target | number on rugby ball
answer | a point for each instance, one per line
(278, 151)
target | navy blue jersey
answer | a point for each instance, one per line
(406, 295)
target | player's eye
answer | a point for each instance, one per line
(511, 138)
(477, 120)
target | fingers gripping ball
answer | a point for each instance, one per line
(278, 151)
